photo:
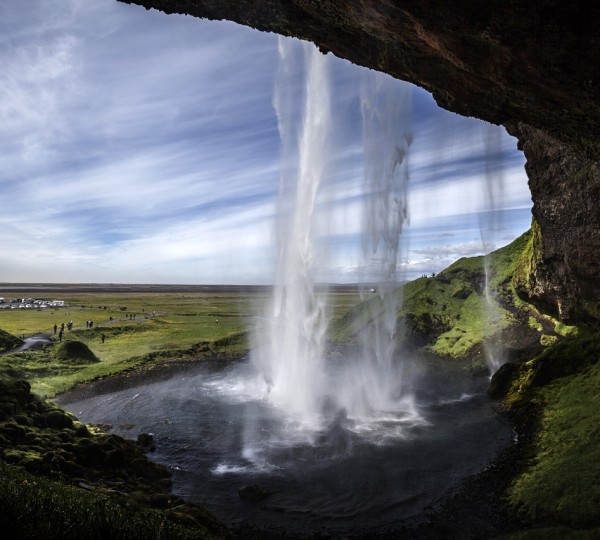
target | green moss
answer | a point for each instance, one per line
(547, 340)
(563, 483)
(565, 330)
(535, 324)
(525, 268)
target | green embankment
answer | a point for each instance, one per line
(8, 341)
(450, 315)
(560, 485)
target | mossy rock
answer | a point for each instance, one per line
(75, 352)
(502, 381)
(58, 419)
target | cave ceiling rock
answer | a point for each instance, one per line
(533, 67)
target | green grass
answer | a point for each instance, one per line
(449, 314)
(561, 484)
(166, 326)
(37, 507)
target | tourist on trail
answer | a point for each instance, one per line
(62, 327)
(103, 338)
(55, 328)
(60, 335)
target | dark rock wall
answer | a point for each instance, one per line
(565, 188)
(532, 66)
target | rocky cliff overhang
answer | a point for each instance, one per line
(533, 67)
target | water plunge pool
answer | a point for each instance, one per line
(216, 434)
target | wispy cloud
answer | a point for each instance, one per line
(143, 147)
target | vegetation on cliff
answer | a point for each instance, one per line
(450, 314)
(558, 389)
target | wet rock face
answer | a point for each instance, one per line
(532, 66)
(565, 188)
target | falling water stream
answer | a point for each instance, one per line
(489, 223)
(346, 440)
(289, 355)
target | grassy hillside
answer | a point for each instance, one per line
(558, 393)
(450, 314)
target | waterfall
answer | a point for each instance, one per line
(387, 137)
(490, 221)
(291, 357)
(298, 379)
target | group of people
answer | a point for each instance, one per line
(62, 329)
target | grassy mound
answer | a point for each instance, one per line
(8, 341)
(74, 352)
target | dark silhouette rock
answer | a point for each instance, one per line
(253, 493)
(146, 442)
(502, 381)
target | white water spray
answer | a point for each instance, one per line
(387, 137)
(310, 390)
(291, 358)
(489, 223)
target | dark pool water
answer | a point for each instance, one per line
(216, 433)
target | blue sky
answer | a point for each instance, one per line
(143, 148)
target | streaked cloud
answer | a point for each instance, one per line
(140, 147)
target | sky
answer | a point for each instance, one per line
(139, 147)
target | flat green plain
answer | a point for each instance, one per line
(132, 328)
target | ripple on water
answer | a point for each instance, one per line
(216, 432)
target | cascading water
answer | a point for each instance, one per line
(291, 357)
(387, 137)
(490, 222)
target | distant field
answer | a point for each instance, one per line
(137, 324)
